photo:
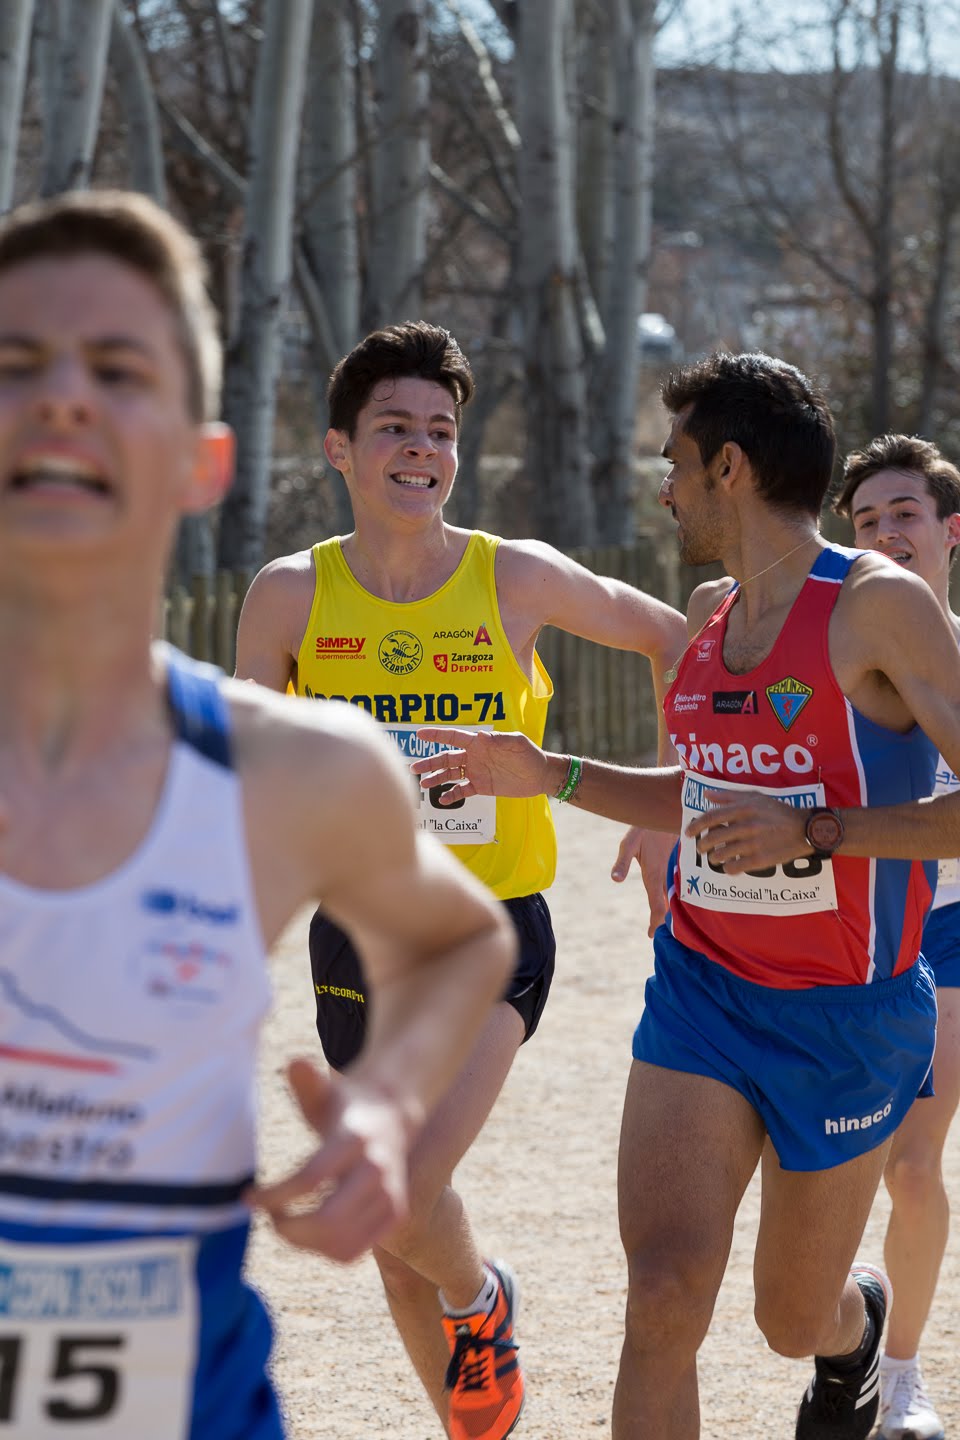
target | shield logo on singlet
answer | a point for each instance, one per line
(787, 698)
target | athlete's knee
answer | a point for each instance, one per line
(670, 1299)
(406, 1241)
(913, 1177)
(793, 1325)
(401, 1281)
(431, 1214)
(428, 1185)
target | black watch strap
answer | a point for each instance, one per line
(823, 829)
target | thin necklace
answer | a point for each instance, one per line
(671, 674)
(775, 563)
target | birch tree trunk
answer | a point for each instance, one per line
(16, 17)
(887, 28)
(48, 28)
(328, 269)
(194, 551)
(144, 147)
(946, 227)
(556, 401)
(595, 152)
(253, 352)
(74, 113)
(632, 30)
(328, 176)
(401, 164)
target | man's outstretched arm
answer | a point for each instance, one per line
(546, 587)
(508, 763)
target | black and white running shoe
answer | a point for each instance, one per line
(842, 1405)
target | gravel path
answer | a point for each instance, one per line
(540, 1186)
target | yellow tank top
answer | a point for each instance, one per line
(441, 660)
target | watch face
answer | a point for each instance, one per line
(824, 831)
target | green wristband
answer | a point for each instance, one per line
(571, 784)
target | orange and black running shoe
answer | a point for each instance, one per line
(484, 1376)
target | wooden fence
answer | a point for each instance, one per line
(603, 702)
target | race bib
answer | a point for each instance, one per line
(97, 1339)
(798, 887)
(466, 822)
(948, 872)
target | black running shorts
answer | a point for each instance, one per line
(340, 989)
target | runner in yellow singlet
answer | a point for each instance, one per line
(420, 622)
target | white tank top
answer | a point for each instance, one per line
(129, 1016)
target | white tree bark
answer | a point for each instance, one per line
(253, 352)
(328, 175)
(401, 168)
(632, 30)
(74, 114)
(144, 147)
(328, 266)
(557, 457)
(595, 152)
(945, 203)
(16, 17)
(48, 27)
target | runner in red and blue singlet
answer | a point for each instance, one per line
(790, 1021)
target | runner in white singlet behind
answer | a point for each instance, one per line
(903, 498)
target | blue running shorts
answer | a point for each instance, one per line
(941, 945)
(831, 1070)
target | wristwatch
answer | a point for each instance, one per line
(824, 832)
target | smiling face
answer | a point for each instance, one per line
(689, 492)
(97, 447)
(401, 461)
(894, 513)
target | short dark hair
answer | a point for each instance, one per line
(778, 417)
(902, 452)
(413, 348)
(134, 230)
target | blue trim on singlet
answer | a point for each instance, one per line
(895, 768)
(889, 769)
(834, 561)
(200, 714)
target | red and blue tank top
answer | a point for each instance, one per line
(786, 727)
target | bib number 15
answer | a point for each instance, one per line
(82, 1379)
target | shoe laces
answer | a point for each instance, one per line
(471, 1364)
(907, 1392)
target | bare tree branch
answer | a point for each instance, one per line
(470, 204)
(488, 80)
